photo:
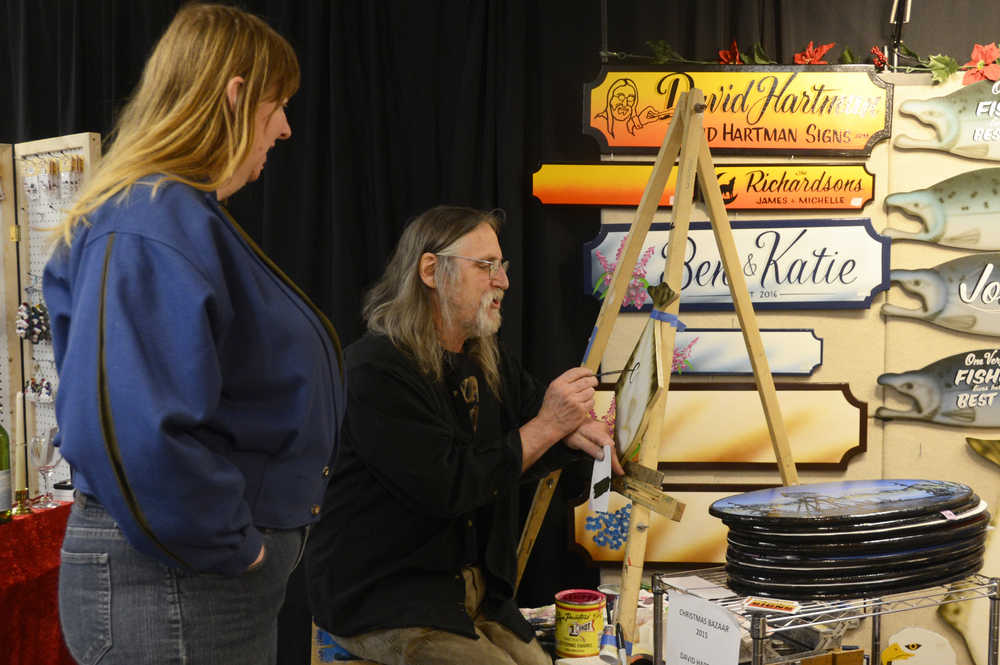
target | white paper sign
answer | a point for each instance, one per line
(700, 632)
(601, 471)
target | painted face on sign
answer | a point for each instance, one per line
(622, 98)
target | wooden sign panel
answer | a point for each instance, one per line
(958, 390)
(962, 294)
(700, 351)
(743, 186)
(826, 424)
(833, 110)
(965, 122)
(793, 264)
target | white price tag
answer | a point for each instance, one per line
(700, 632)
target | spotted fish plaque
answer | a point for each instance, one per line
(965, 122)
(962, 294)
(962, 211)
(958, 390)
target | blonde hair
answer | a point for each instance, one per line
(401, 307)
(179, 121)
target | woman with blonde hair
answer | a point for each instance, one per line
(200, 390)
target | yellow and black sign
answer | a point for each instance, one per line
(744, 186)
(833, 110)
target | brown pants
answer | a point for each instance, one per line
(496, 645)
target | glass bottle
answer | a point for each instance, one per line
(5, 477)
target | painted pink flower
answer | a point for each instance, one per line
(681, 357)
(608, 418)
(635, 292)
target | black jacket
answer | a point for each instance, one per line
(406, 484)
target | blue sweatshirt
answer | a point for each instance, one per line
(200, 392)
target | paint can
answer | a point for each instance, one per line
(579, 622)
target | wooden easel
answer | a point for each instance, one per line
(685, 139)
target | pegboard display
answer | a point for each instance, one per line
(49, 174)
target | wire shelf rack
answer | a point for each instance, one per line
(828, 612)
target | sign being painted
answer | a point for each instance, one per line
(834, 110)
(962, 294)
(743, 186)
(966, 122)
(793, 264)
(958, 390)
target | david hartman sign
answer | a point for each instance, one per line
(794, 264)
(836, 110)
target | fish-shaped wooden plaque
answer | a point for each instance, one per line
(962, 294)
(961, 211)
(965, 122)
(963, 390)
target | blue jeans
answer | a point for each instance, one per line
(119, 606)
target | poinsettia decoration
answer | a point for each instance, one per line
(813, 55)
(982, 64)
(731, 56)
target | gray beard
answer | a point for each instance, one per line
(484, 324)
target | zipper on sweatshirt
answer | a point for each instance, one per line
(108, 424)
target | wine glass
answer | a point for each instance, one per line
(45, 457)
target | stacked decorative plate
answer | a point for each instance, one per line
(852, 538)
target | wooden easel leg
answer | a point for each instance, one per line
(689, 116)
(634, 557)
(613, 299)
(536, 515)
(744, 312)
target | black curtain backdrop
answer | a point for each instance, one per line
(404, 105)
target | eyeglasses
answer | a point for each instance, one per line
(494, 266)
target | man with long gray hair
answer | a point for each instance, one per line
(413, 561)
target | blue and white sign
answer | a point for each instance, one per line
(793, 264)
(723, 351)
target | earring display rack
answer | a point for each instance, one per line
(48, 174)
(763, 626)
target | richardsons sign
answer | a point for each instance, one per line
(743, 186)
(833, 110)
(788, 264)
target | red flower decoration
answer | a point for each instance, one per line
(983, 64)
(730, 57)
(812, 56)
(878, 58)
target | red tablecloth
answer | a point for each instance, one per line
(29, 587)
